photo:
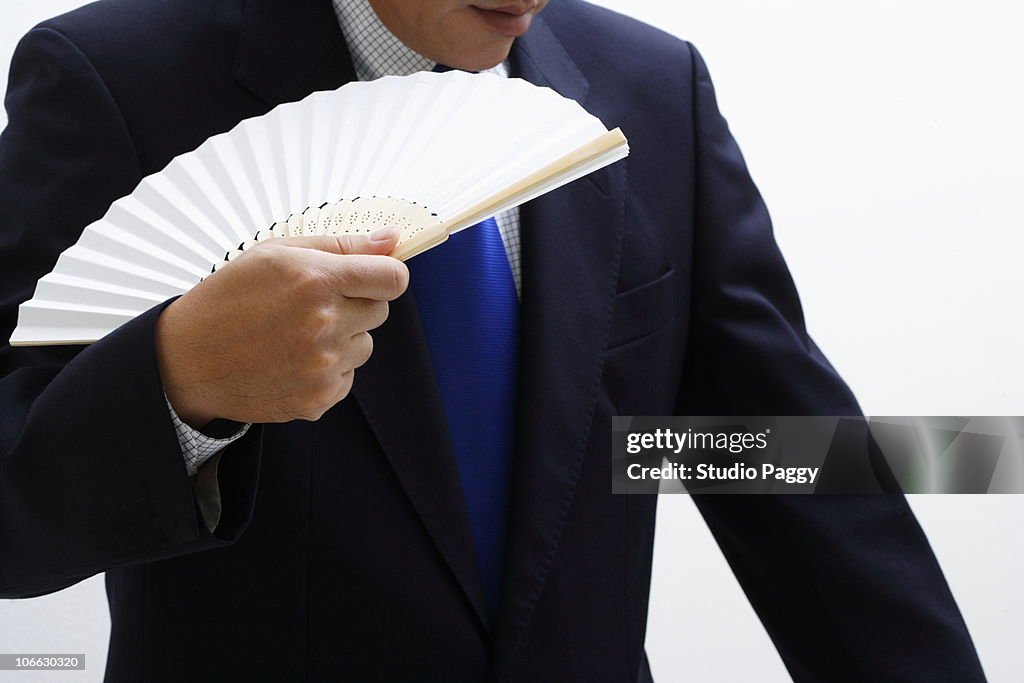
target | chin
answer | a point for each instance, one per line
(488, 53)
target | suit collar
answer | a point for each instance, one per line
(288, 50)
(540, 58)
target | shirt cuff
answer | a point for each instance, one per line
(196, 447)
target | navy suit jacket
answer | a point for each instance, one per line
(652, 287)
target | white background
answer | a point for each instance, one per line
(886, 138)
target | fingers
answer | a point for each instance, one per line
(336, 325)
(364, 315)
(352, 266)
(331, 393)
(380, 278)
(379, 242)
(358, 351)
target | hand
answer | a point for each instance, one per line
(277, 334)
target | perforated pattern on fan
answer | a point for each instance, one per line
(361, 215)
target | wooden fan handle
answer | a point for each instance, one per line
(425, 239)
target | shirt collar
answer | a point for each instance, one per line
(375, 50)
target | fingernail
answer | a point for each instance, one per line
(383, 234)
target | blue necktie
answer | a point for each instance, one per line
(470, 313)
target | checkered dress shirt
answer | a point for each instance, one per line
(376, 52)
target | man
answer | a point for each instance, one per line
(342, 537)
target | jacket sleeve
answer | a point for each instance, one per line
(847, 586)
(91, 470)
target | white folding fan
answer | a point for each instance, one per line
(431, 153)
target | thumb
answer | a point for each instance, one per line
(379, 242)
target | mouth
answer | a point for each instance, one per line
(511, 20)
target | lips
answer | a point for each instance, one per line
(517, 8)
(509, 20)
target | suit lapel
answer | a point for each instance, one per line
(395, 390)
(571, 241)
(398, 395)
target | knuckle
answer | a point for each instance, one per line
(378, 314)
(399, 277)
(314, 328)
(346, 384)
(309, 280)
(321, 318)
(322, 361)
(305, 408)
(344, 244)
(364, 349)
(319, 400)
(303, 285)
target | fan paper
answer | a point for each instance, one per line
(431, 154)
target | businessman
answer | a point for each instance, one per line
(301, 471)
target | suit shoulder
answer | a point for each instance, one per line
(152, 32)
(167, 64)
(606, 39)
